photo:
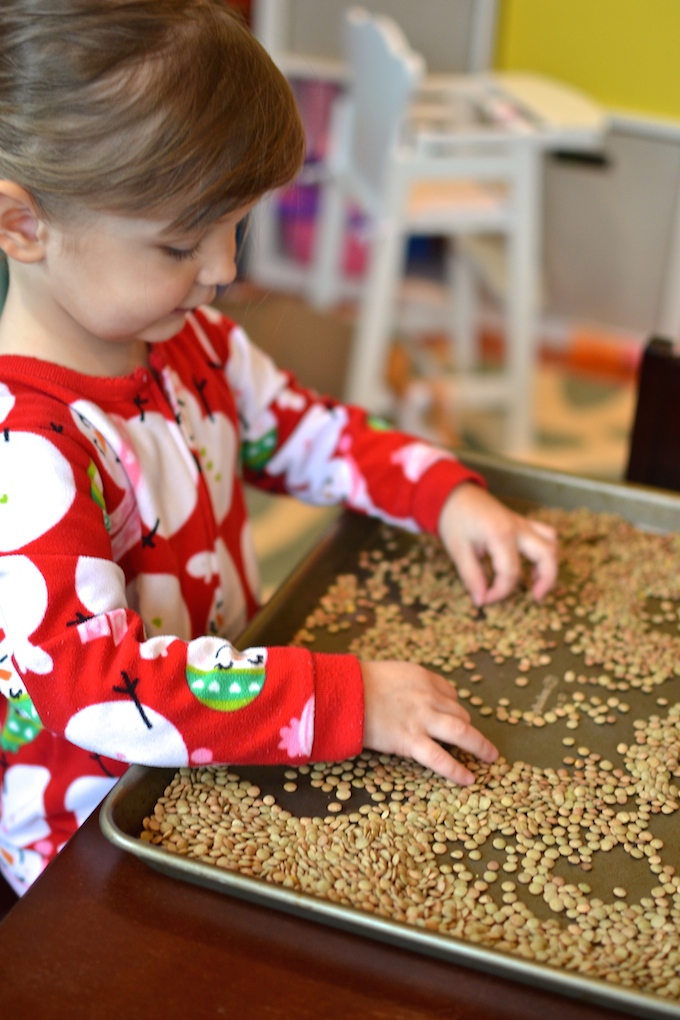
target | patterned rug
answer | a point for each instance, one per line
(583, 422)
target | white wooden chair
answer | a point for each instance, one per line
(304, 38)
(416, 171)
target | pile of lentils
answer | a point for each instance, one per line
(580, 684)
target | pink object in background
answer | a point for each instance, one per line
(298, 204)
(298, 208)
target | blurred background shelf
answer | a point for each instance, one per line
(611, 226)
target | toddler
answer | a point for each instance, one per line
(135, 136)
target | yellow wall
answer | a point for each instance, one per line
(624, 53)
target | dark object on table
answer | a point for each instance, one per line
(654, 457)
(7, 898)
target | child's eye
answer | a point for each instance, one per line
(180, 254)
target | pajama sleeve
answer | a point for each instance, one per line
(80, 651)
(325, 453)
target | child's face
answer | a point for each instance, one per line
(113, 280)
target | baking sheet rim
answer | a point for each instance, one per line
(639, 504)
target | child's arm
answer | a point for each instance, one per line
(473, 525)
(324, 453)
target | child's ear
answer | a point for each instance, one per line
(21, 227)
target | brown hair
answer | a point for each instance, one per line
(141, 106)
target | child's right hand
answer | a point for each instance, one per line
(408, 709)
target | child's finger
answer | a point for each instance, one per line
(449, 706)
(471, 571)
(538, 543)
(432, 755)
(451, 729)
(546, 530)
(446, 697)
(507, 568)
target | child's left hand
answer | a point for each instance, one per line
(473, 524)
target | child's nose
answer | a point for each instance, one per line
(219, 267)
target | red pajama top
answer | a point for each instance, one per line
(127, 567)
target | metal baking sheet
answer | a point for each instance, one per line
(137, 792)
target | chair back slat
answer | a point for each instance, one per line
(385, 72)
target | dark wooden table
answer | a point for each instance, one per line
(101, 935)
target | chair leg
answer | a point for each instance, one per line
(520, 341)
(521, 308)
(325, 278)
(463, 329)
(323, 286)
(365, 380)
